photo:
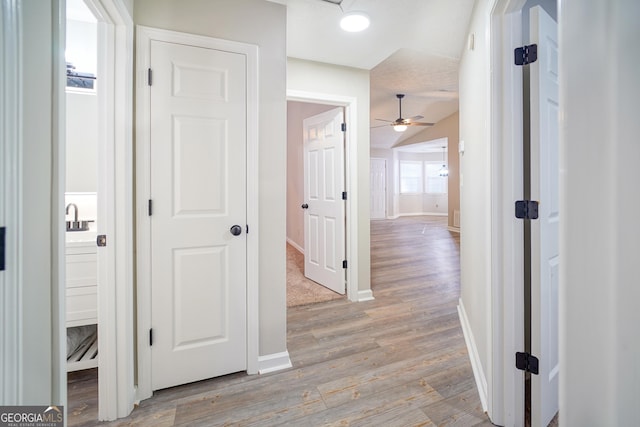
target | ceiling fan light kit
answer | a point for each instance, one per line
(401, 124)
(354, 22)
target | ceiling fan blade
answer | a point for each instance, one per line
(418, 117)
(383, 120)
(379, 126)
(420, 124)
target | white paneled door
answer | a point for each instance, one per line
(324, 208)
(378, 188)
(198, 221)
(545, 261)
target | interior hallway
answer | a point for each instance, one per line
(398, 360)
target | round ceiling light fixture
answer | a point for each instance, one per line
(399, 128)
(354, 22)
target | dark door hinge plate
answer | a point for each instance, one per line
(3, 239)
(344, 264)
(526, 54)
(101, 240)
(344, 195)
(343, 127)
(527, 362)
(527, 209)
(150, 337)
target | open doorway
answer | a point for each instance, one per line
(99, 208)
(301, 290)
(83, 95)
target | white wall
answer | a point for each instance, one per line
(296, 113)
(475, 184)
(263, 24)
(599, 286)
(329, 79)
(81, 46)
(82, 141)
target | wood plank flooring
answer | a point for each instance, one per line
(399, 360)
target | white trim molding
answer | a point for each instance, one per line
(295, 245)
(474, 357)
(116, 388)
(422, 214)
(144, 37)
(274, 362)
(10, 200)
(454, 229)
(506, 384)
(366, 295)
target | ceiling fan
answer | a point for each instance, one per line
(400, 124)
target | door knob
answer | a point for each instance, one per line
(305, 206)
(235, 230)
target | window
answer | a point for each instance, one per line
(410, 176)
(434, 183)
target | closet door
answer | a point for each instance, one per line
(198, 189)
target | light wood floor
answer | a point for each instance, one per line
(399, 360)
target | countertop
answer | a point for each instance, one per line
(81, 238)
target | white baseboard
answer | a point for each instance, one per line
(365, 295)
(424, 214)
(454, 229)
(393, 217)
(295, 245)
(476, 365)
(274, 362)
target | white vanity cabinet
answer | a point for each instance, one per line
(82, 300)
(82, 284)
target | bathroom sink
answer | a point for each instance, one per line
(78, 225)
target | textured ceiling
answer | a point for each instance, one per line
(411, 47)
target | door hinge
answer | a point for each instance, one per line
(344, 195)
(526, 54)
(344, 264)
(3, 232)
(101, 240)
(247, 228)
(343, 127)
(150, 207)
(150, 337)
(526, 209)
(149, 77)
(527, 362)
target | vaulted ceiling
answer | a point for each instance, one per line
(411, 47)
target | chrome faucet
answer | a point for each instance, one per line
(75, 207)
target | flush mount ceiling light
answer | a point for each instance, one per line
(354, 22)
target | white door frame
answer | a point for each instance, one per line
(143, 184)
(505, 394)
(351, 179)
(116, 390)
(116, 393)
(10, 193)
